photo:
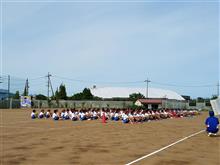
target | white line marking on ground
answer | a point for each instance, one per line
(170, 145)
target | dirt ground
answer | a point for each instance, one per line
(47, 142)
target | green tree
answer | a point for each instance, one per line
(135, 96)
(61, 93)
(77, 96)
(192, 102)
(214, 97)
(56, 96)
(17, 95)
(85, 95)
(200, 99)
(40, 97)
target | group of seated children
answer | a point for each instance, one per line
(124, 115)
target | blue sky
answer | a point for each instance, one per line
(174, 43)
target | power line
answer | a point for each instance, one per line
(185, 86)
(17, 82)
(112, 1)
(21, 79)
(138, 82)
(99, 82)
(37, 78)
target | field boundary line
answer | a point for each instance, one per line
(168, 146)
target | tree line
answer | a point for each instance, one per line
(61, 94)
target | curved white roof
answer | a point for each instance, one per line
(122, 92)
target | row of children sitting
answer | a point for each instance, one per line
(126, 115)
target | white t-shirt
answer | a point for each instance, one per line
(130, 115)
(146, 114)
(41, 114)
(54, 115)
(62, 114)
(82, 115)
(33, 114)
(124, 116)
(70, 114)
(111, 114)
(94, 114)
(66, 114)
(137, 115)
(73, 115)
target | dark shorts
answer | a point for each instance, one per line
(212, 130)
(41, 116)
(74, 119)
(67, 118)
(83, 118)
(56, 118)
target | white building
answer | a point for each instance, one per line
(124, 92)
(158, 98)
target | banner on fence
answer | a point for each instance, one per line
(25, 101)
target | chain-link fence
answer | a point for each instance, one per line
(172, 104)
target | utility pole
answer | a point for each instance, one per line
(26, 88)
(49, 86)
(9, 101)
(147, 81)
(218, 89)
(9, 79)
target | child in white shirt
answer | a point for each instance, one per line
(41, 114)
(55, 116)
(33, 114)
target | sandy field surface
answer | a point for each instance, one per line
(47, 142)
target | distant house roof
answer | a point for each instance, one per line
(122, 92)
(150, 101)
